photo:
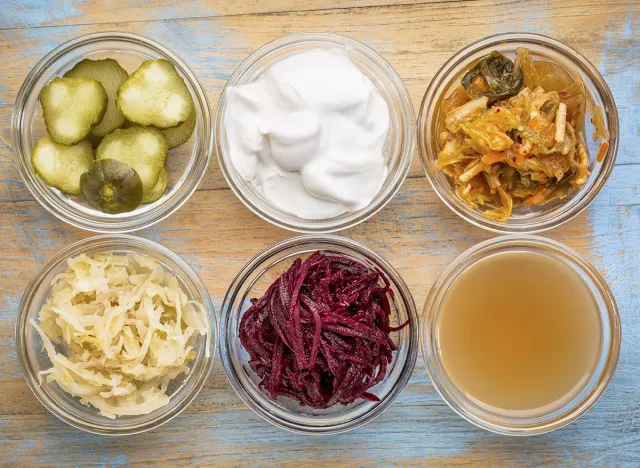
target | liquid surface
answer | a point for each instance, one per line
(519, 334)
(309, 134)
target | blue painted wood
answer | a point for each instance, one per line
(37, 13)
(415, 232)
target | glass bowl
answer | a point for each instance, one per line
(524, 219)
(253, 281)
(592, 389)
(34, 359)
(186, 164)
(399, 146)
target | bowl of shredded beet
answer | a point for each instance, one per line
(319, 334)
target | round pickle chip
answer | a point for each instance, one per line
(111, 186)
(61, 166)
(155, 94)
(178, 135)
(143, 148)
(71, 107)
(110, 75)
(158, 190)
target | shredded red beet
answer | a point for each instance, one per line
(321, 333)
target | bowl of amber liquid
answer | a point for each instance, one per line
(520, 335)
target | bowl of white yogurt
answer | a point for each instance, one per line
(315, 132)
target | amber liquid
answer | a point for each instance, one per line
(519, 334)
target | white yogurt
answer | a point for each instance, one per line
(309, 134)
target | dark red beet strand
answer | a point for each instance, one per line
(320, 334)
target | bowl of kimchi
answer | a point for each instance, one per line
(518, 133)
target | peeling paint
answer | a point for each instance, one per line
(38, 12)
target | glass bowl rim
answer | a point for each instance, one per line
(139, 244)
(440, 82)
(382, 198)
(298, 243)
(143, 220)
(524, 242)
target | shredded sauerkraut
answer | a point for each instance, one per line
(124, 329)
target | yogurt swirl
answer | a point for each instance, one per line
(309, 133)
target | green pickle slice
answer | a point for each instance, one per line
(111, 186)
(143, 148)
(61, 166)
(178, 135)
(158, 190)
(155, 94)
(110, 75)
(71, 107)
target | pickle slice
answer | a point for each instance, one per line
(178, 135)
(158, 190)
(111, 186)
(61, 166)
(155, 95)
(110, 75)
(71, 107)
(142, 148)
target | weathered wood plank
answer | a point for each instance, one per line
(19, 14)
(404, 232)
(415, 232)
(429, 434)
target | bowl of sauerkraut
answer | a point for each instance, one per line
(518, 133)
(116, 335)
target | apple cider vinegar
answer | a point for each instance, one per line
(519, 333)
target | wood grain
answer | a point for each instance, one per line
(46, 13)
(415, 232)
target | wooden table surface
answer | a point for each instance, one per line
(416, 232)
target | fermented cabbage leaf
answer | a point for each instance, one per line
(530, 75)
(549, 109)
(597, 120)
(487, 136)
(124, 329)
(495, 76)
